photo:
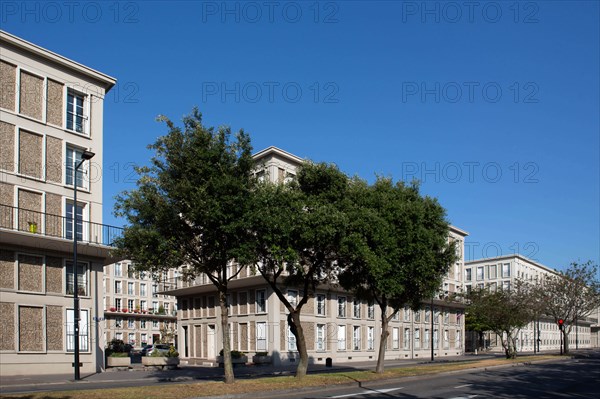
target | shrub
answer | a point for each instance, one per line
(262, 353)
(234, 354)
(117, 348)
(119, 354)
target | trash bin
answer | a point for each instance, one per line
(328, 362)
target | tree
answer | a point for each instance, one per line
(476, 324)
(397, 250)
(504, 312)
(298, 228)
(571, 295)
(189, 208)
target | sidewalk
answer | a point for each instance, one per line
(139, 377)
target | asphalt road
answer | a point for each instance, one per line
(576, 378)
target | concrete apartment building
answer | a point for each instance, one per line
(336, 325)
(51, 111)
(134, 310)
(503, 272)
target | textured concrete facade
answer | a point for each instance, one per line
(35, 301)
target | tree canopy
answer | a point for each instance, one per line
(189, 207)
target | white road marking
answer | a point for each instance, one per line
(367, 392)
(464, 397)
(463, 386)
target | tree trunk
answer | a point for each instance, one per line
(227, 364)
(382, 342)
(510, 348)
(296, 328)
(565, 341)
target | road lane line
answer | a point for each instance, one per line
(463, 386)
(367, 392)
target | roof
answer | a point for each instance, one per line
(512, 256)
(106, 81)
(272, 150)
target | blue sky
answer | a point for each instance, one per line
(493, 106)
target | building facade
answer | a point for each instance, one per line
(336, 325)
(503, 272)
(134, 310)
(51, 111)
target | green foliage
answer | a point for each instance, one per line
(172, 352)
(119, 354)
(504, 312)
(397, 250)
(117, 348)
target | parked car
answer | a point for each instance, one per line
(149, 349)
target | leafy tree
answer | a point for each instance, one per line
(299, 227)
(397, 250)
(476, 324)
(571, 295)
(189, 208)
(505, 312)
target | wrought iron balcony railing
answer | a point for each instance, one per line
(50, 225)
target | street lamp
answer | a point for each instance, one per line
(85, 156)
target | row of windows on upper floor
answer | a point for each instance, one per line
(134, 306)
(45, 158)
(501, 270)
(61, 104)
(342, 311)
(122, 269)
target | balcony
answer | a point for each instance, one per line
(46, 231)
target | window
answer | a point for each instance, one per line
(370, 338)
(131, 270)
(341, 306)
(395, 338)
(468, 288)
(78, 219)
(291, 340)
(427, 314)
(119, 322)
(143, 290)
(154, 289)
(83, 330)
(426, 339)
(155, 306)
(356, 338)
(320, 304)
(118, 270)
(144, 305)
(493, 272)
(371, 310)
(320, 337)
(417, 338)
(406, 338)
(435, 338)
(418, 316)
(131, 338)
(446, 339)
(144, 338)
(142, 324)
(166, 307)
(118, 287)
(82, 278)
(505, 270)
(261, 336)
(119, 336)
(446, 317)
(293, 297)
(406, 313)
(479, 272)
(458, 341)
(130, 305)
(506, 285)
(261, 301)
(118, 304)
(130, 324)
(468, 276)
(155, 324)
(74, 156)
(395, 316)
(130, 289)
(76, 118)
(356, 309)
(341, 338)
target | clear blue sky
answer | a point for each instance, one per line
(495, 107)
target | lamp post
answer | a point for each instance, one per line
(85, 156)
(432, 337)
